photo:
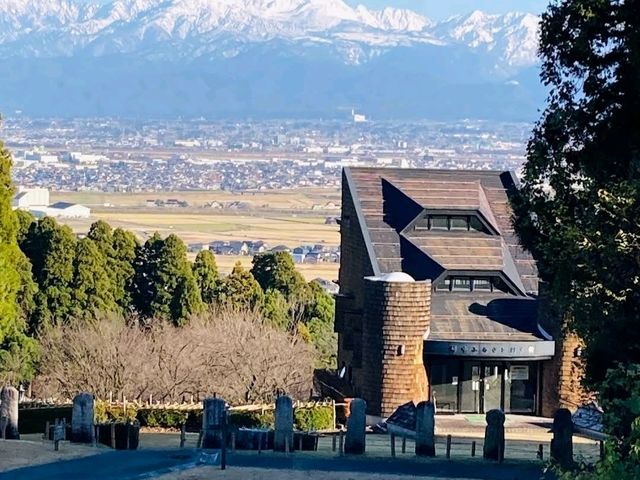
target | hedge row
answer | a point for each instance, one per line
(33, 420)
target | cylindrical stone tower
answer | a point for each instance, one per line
(396, 318)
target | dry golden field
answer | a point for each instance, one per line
(278, 218)
(299, 199)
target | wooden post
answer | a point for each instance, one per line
(393, 445)
(315, 444)
(473, 448)
(540, 454)
(113, 436)
(448, 447)
(199, 444)
(602, 450)
(333, 442)
(47, 430)
(183, 434)
(404, 444)
(333, 410)
(341, 443)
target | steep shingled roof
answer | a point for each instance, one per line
(389, 200)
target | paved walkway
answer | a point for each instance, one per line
(152, 463)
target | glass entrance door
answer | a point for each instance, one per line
(470, 400)
(492, 383)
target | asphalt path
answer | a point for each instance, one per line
(144, 464)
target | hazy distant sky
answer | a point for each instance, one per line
(439, 9)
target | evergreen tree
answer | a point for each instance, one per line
(25, 219)
(276, 310)
(92, 284)
(205, 272)
(240, 290)
(125, 246)
(145, 266)
(165, 285)
(276, 271)
(18, 351)
(9, 252)
(579, 204)
(51, 249)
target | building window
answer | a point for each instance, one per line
(476, 225)
(461, 284)
(459, 223)
(476, 284)
(438, 222)
(444, 285)
(481, 285)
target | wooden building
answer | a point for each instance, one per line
(439, 301)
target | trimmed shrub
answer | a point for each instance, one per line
(109, 413)
(252, 419)
(317, 418)
(162, 418)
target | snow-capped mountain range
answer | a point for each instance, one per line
(241, 34)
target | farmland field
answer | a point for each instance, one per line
(277, 218)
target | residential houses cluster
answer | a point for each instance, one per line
(111, 155)
(311, 254)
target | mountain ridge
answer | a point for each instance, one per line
(478, 51)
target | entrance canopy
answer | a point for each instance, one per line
(469, 326)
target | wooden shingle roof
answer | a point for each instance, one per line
(390, 199)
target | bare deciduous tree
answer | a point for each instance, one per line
(232, 354)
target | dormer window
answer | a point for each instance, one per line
(472, 284)
(454, 223)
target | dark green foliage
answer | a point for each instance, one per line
(124, 254)
(92, 281)
(314, 419)
(276, 271)
(25, 219)
(34, 420)
(18, 351)
(205, 272)
(579, 204)
(164, 285)
(580, 199)
(276, 310)
(162, 418)
(252, 419)
(108, 413)
(51, 248)
(239, 290)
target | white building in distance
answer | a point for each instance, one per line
(36, 201)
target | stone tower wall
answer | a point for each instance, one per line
(396, 317)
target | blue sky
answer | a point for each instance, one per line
(438, 9)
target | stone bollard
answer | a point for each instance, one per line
(213, 422)
(283, 436)
(494, 436)
(82, 418)
(425, 430)
(356, 425)
(9, 412)
(562, 441)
